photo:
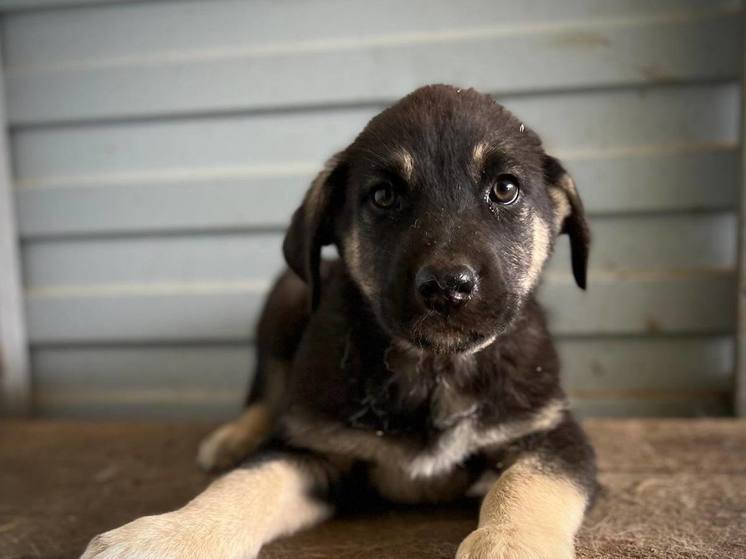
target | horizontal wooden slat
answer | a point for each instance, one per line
(149, 207)
(12, 5)
(697, 179)
(172, 381)
(158, 313)
(190, 259)
(681, 242)
(634, 365)
(678, 405)
(129, 404)
(616, 304)
(626, 303)
(657, 243)
(306, 72)
(211, 380)
(136, 29)
(646, 364)
(189, 367)
(658, 181)
(583, 125)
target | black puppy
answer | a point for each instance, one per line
(419, 364)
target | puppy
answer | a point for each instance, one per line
(418, 366)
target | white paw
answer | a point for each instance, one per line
(147, 537)
(165, 536)
(514, 543)
(226, 447)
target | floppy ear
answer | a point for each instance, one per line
(312, 226)
(569, 216)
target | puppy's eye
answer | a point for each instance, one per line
(384, 196)
(505, 190)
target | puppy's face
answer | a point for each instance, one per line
(445, 209)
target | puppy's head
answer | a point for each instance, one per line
(444, 209)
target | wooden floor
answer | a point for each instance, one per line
(674, 489)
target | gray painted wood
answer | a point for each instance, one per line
(622, 303)
(159, 148)
(10, 5)
(658, 406)
(107, 33)
(15, 374)
(647, 365)
(584, 124)
(614, 183)
(686, 241)
(338, 69)
(633, 365)
(608, 377)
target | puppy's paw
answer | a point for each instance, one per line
(491, 542)
(165, 536)
(146, 537)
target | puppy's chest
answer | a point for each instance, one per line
(406, 394)
(408, 415)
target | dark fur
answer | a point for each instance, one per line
(347, 329)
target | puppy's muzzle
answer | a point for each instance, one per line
(445, 289)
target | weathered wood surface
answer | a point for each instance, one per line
(674, 489)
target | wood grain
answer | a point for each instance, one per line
(673, 489)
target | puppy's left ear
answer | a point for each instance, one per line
(312, 225)
(569, 216)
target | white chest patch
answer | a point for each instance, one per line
(466, 438)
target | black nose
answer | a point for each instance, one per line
(445, 288)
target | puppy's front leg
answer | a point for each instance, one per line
(231, 519)
(535, 508)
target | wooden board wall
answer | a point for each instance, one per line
(158, 149)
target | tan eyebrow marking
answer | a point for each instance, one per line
(405, 162)
(478, 156)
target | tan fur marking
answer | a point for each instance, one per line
(477, 157)
(561, 207)
(405, 162)
(313, 201)
(561, 194)
(234, 441)
(467, 438)
(231, 519)
(540, 241)
(480, 346)
(528, 513)
(567, 184)
(352, 257)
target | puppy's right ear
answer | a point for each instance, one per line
(312, 225)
